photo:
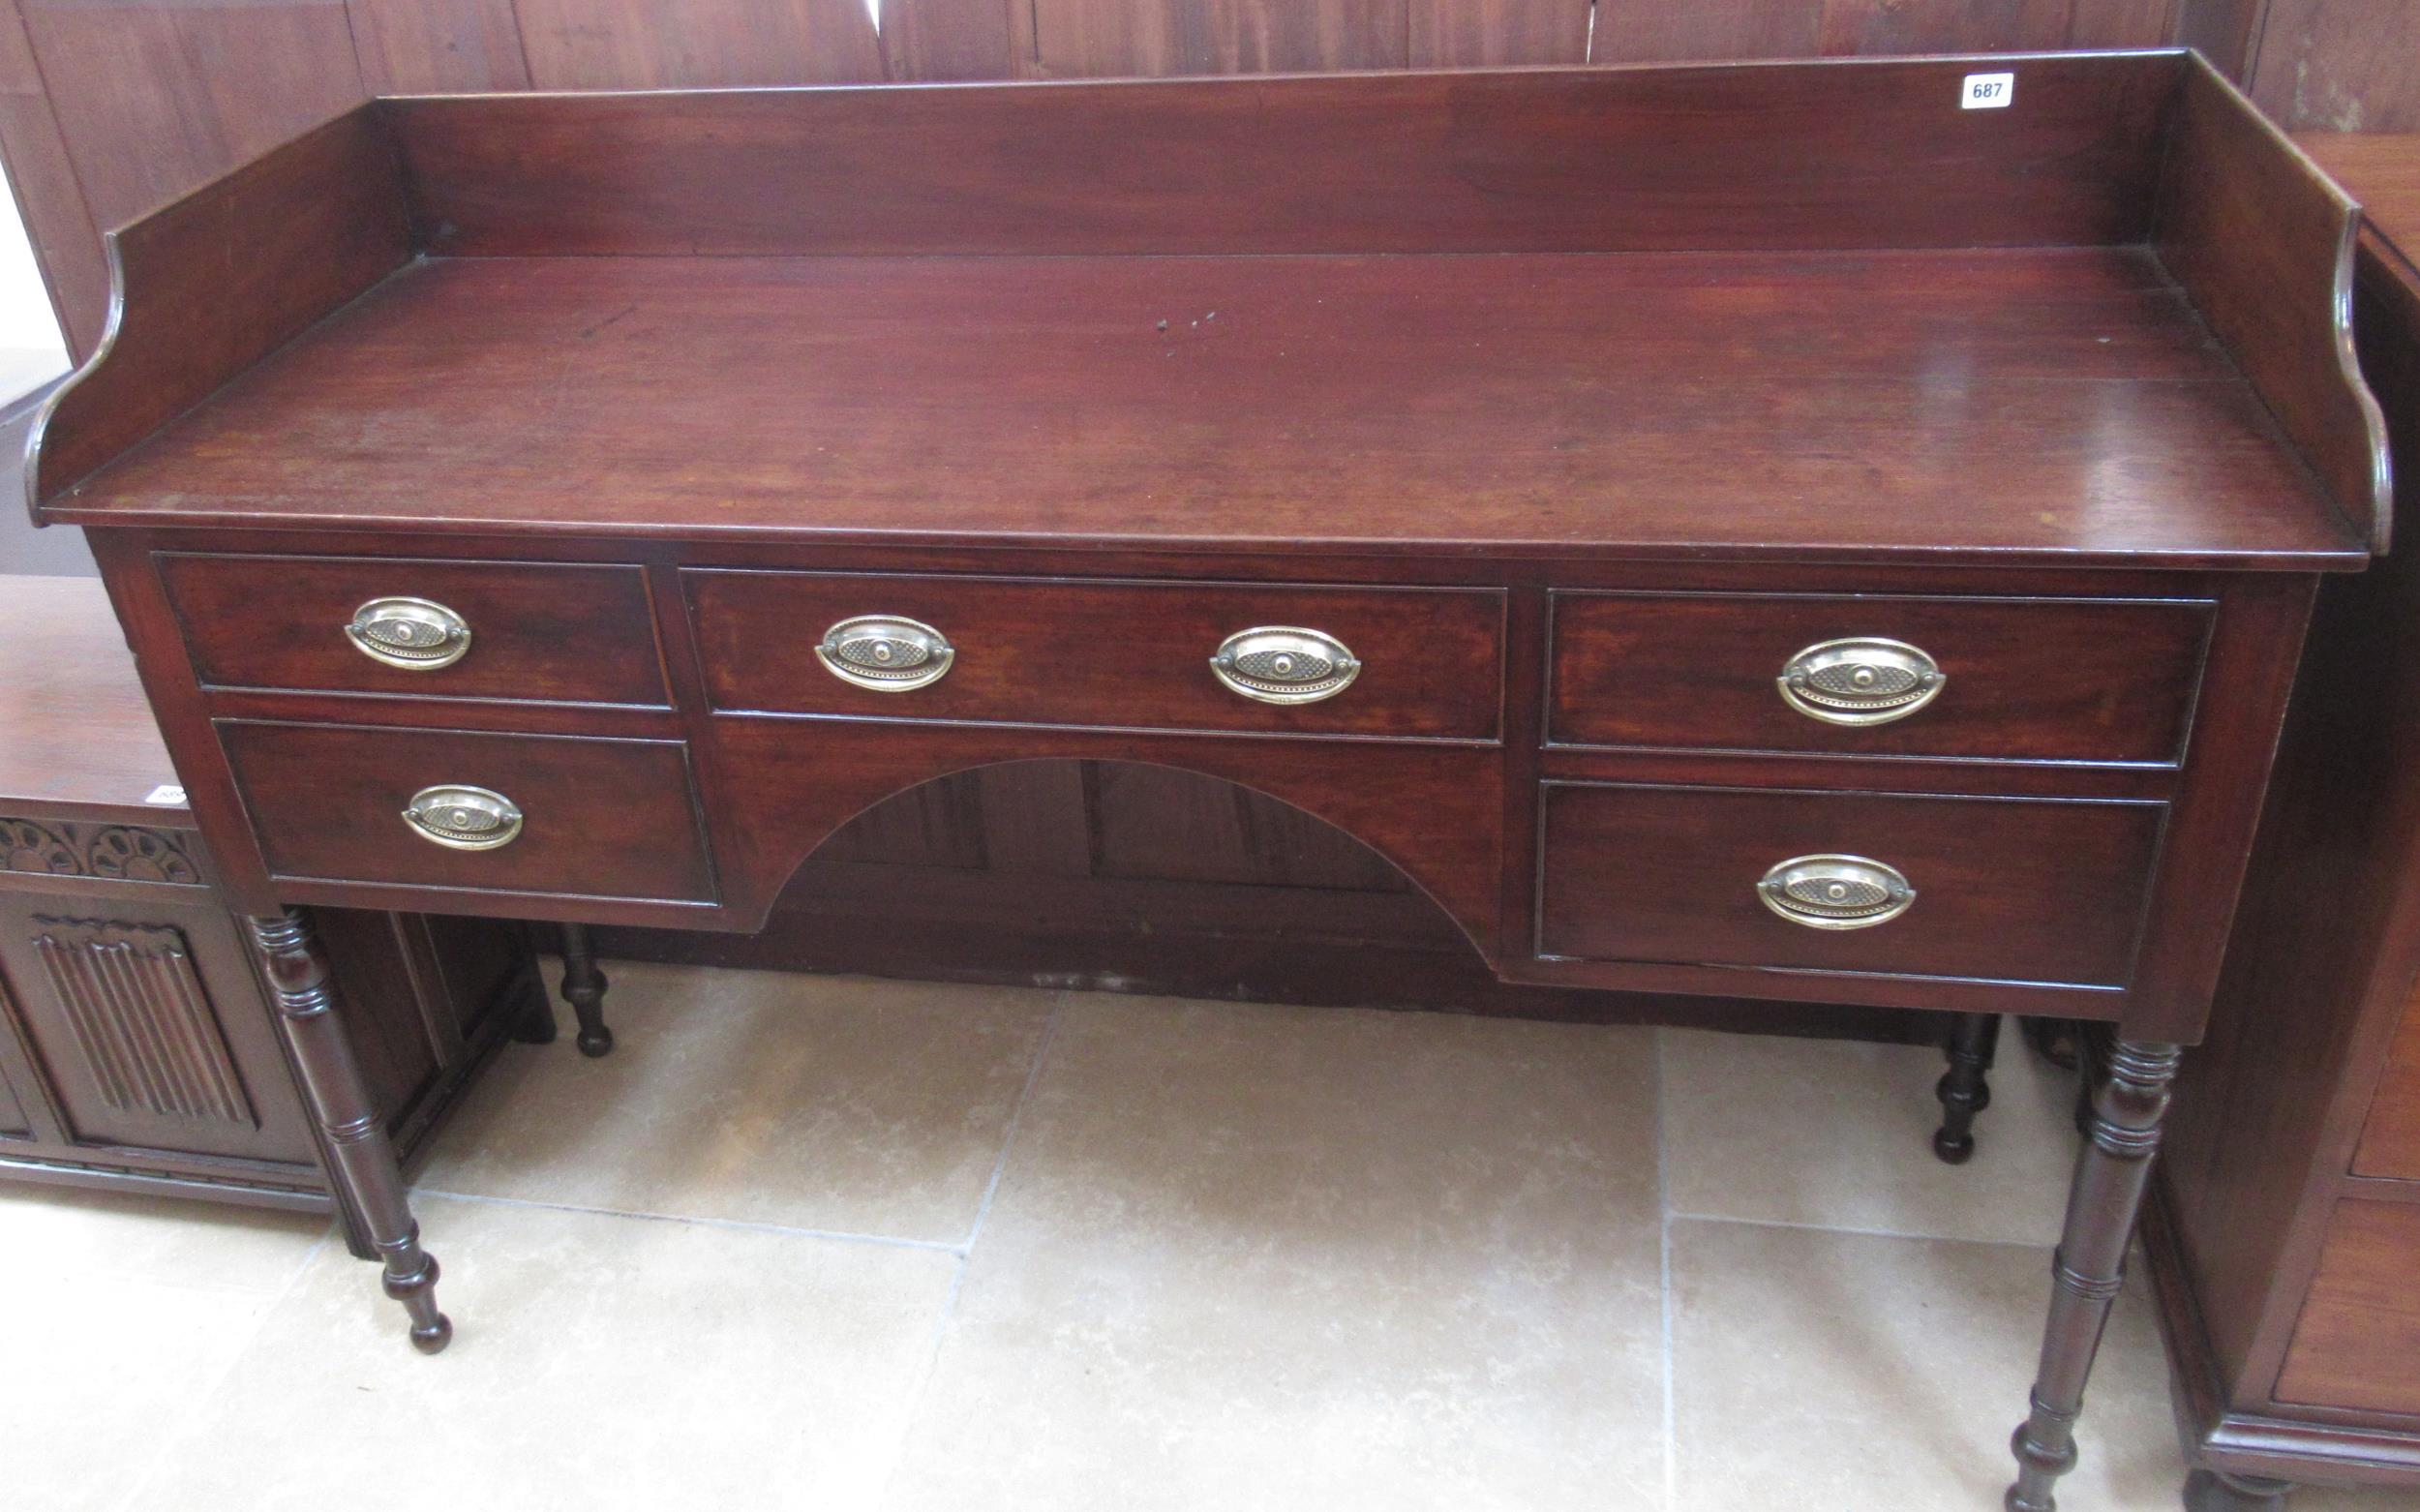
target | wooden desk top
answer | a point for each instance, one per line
(2033, 403)
(77, 737)
(1806, 312)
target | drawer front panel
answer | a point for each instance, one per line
(537, 630)
(2016, 889)
(600, 818)
(1126, 654)
(2358, 1340)
(2390, 1140)
(2023, 679)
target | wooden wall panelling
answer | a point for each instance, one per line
(1894, 26)
(2123, 23)
(1660, 31)
(939, 824)
(1653, 31)
(155, 100)
(438, 46)
(937, 39)
(1111, 39)
(42, 176)
(2339, 65)
(1156, 821)
(1036, 818)
(2224, 30)
(1110, 822)
(697, 44)
(1476, 33)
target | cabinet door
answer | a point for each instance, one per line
(2359, 1333)
(2390, 1141)
(146, 1022)
(13, 1124)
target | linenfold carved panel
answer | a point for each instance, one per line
(13, 1124)
(142, 1019)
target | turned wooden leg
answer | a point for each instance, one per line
(583, 988)
(2211, 1491)
(2090, 1263)
(1965, 1088)
(361, 1160)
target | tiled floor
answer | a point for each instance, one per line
(820, 1244)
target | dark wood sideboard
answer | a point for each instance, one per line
(2285, 1229)
(1834, 532)
(137, 1049)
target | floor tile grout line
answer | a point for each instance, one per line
(946, 1312)
(1017, 1118)
(1853, 1229)
(912, 1401)
(135, 1496)
(742, 1225)
(1663, 1225)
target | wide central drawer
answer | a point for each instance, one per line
(573, 815)
(2017, 680)
(2047, 891)
(1427, 662)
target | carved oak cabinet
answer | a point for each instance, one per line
(2285, 1233)
(138, 1049)
(1832, 533)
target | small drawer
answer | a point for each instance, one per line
(2011, 679)
(588, 817)
(2390, 1138)
(2047, 891)
(442, 629)
(1424, 663)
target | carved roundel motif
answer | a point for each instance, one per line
(26, 846)
(129, 854)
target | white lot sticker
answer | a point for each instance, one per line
(1987, 92)
(167, 795)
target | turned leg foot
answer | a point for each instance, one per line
(583, 988)
(2210, 1490)
(1965, 1088)
(2090, 1263)
(360, 1158)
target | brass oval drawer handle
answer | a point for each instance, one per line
(1284, 664)
(463, 817)
(885, 653)
(410, 633)
(1861, 681)
(1837, 892)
